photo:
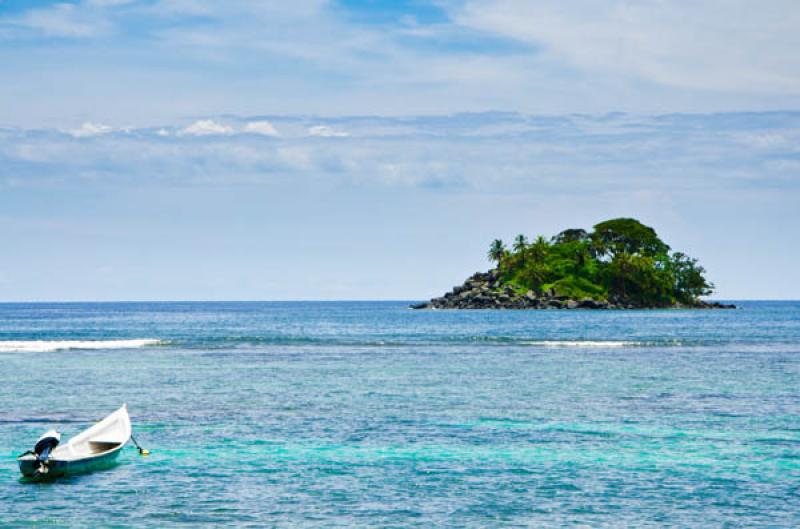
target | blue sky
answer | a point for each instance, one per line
(365, 149)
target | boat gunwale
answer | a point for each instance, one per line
(91, 457)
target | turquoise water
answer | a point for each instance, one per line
(368, 414)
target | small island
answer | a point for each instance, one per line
(620, 264)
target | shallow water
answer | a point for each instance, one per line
(368, 414)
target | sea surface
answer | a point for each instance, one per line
(367, 414)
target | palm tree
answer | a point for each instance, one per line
(497, 251)
(521, 246)
(539, 249)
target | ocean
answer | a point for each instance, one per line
(367, 414)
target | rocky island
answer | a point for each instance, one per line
(621, 264)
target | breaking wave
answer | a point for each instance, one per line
(45, 346)
(583, 343)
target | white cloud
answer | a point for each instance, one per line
(474, 153)
(734, 46)
(109, 3)
(324, 131)
(765, 141)
(262, 127)
(89, 129)
(207, 127)
(551, 57)
(64, 20)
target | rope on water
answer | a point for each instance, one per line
(142, 451)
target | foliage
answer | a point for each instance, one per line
(621, 260)
(497, 251)
(688, 277)
(571, 235)
(626, 236)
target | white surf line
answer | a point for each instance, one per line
(44, 346)
(581, 343)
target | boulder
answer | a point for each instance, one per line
(586, 303)
(487, 290)
(713, 305)
(589, 303)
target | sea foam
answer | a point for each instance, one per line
(44, 346)
(582, 343)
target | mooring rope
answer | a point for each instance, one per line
(142, 451)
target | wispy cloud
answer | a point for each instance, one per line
(127, 59)
(736, 46)
(64, 20)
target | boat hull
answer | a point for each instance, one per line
(58, 467)
(95, 448)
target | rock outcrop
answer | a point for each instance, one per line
(486, 290)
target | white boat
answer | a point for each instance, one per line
(94, 448)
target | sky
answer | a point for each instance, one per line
(372, 149)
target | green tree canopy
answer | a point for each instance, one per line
(621, 260)
(624, 235)
(571, 235)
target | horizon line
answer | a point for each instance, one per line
(365, 300)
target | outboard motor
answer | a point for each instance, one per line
(44, 446)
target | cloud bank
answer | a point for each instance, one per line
(476, 153)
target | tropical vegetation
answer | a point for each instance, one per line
(620, 260)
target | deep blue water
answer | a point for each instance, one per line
(369, 414)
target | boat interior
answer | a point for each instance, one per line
(98, 447)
